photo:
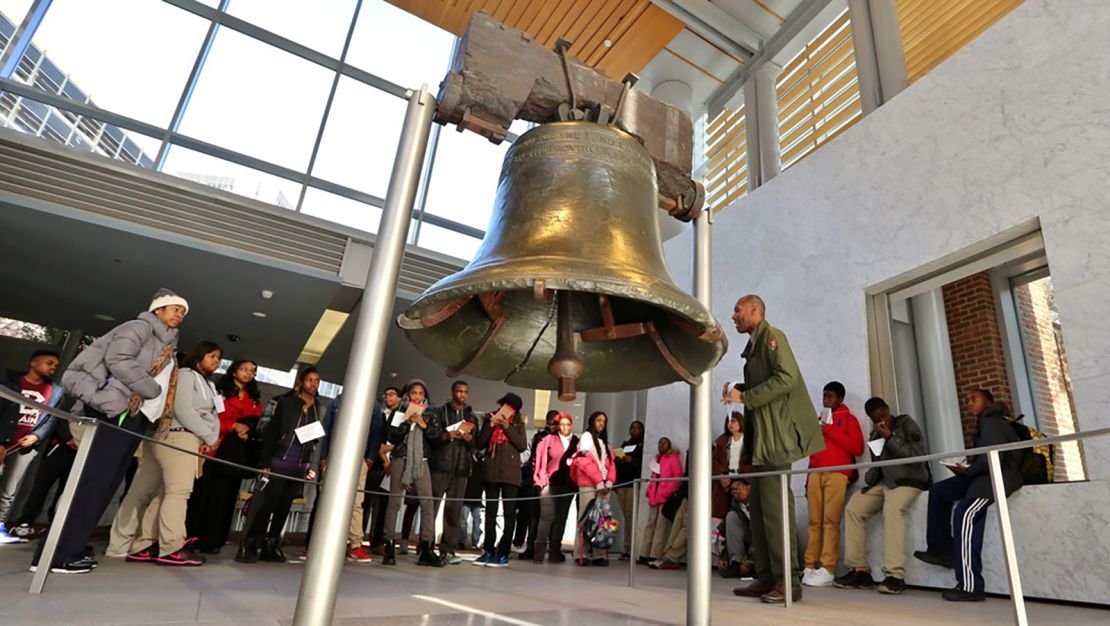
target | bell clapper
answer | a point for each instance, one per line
(565, 365)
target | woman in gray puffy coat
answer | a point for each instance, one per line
(125, 378)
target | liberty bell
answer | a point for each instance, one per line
(569, 289)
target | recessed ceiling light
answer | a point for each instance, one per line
(267, 294)
(608, 43)
(104, 317)
(258, 314)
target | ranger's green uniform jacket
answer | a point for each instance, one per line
(780, 421)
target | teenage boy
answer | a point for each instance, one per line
(23, 427)
(891, 489)
(825, 491)
(958, 506)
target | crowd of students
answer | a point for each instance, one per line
(433, 458)
(429, 458)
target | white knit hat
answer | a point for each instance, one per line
(165, 297)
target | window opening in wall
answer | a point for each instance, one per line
(1044, 366)
(988, 321)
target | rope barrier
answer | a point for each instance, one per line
(11, 396)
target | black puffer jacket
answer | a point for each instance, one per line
(447, 456)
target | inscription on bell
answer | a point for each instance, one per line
(620, 149)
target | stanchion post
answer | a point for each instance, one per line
(787, 551)
(1012, 573)
(54, 533)
(630, 527)
(316, 599)
(699, 565)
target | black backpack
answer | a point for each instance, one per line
(1036, 463)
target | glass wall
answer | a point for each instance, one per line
(298, 105)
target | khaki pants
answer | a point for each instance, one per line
(655, 533)
(893, 503)
(825, 493)
(676, 542)
(624, 496)
(354, 533)
(174, 472)
(145, 490)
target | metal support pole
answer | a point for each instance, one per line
(1012, 573)
(770, 155)
(867, 67)
(21, 38)
(751, 127)
(889, 52)
(787, 552)
(316, 599)
(699, 565)
(46, 559)
(631, 528)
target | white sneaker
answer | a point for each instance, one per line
(819, 578)
(806, 573)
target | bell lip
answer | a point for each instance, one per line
(664, 295)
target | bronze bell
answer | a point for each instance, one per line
(569, 288)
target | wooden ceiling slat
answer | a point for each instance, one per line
(558, 25)
(594, 19)
(530, 12)
(585, 15)
(519, 7)
(634, 51)
(636, 29)
(624, 23)
(604, 28)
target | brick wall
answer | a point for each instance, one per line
(976, 342)
(1048, 371)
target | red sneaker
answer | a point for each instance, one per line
(181, 557)
(144, 556)
(359, 555)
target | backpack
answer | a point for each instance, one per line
(1036, 463)
(597, 525)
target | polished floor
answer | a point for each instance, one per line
(524, 594)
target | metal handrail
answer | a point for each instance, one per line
(992, 452)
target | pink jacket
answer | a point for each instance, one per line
(548, 455)
(670, 466)
(587, 473)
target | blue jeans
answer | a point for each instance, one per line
(471, 518)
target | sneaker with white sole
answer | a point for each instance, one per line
(498, 561)
(23, 531)
(806, 573)
(74, 567)
(819, 578)
(6, 538)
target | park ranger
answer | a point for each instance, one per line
(780, 427)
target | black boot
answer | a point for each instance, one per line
(248, 550)
(539, 549)
(390, 557)
(427, 556)
(271, 551)
(555, 552)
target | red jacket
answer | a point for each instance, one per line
(670, 466)
(843, 441)
(549, 456)
(236, 409)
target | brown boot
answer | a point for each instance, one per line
(778, 595)
(756, 589)
(539, 550)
